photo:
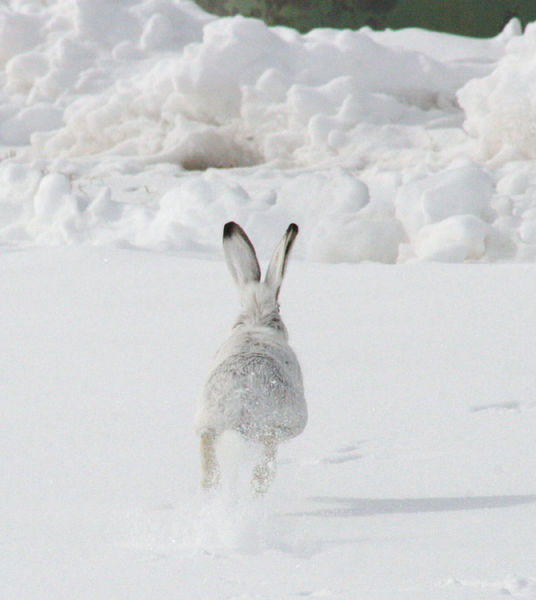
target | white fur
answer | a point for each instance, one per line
(255, 384)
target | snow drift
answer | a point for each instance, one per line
(384, 146)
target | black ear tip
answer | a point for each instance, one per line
(229, 228)
(293, 227)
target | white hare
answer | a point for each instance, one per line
(255, 385)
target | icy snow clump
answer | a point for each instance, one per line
(149, 123)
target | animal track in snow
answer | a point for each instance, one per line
(345, 453)
(500, 406)
(512, 586)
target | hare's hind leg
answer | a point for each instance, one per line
(264, 472)
(210, 472)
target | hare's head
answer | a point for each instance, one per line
(259, 299)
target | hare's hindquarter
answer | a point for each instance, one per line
(259, 394)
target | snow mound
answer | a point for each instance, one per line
(501, 108)
(149, 123)
(198, 98)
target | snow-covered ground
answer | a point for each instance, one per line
(130, 131)
(414, 478)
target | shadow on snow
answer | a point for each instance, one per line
(361, 507)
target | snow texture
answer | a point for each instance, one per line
(414, 478)
(130, 132)
(148, 123)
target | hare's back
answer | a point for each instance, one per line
(258, 394)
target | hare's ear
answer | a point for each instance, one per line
(240, 255)
(278, 262)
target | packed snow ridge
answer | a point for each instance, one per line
(149, 123)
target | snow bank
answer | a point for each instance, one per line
(501, 108)
(148, 123)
